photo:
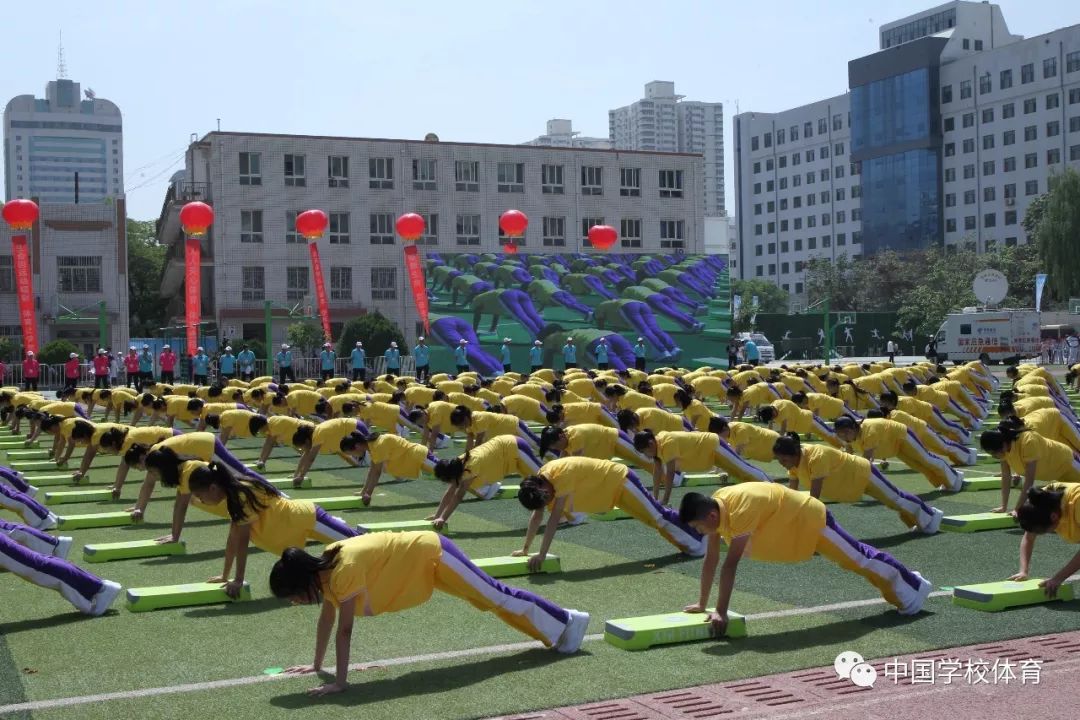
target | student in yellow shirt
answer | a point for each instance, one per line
(927, 413)
(693, 410)
(481, 426)
(835, 475)
(589, 485)
(118, 440)
(87, 435)
(751, 442)
(1055, 508)
(260, 514)
(824, 406)
(654, 419)
(481, 472)
(581, 413)
(386, 451)
(216, 409)
(856, 399)
(1052, 423)
(594, 441)
(116, 401)
(388, 417)
(771, 523)
(524, 407)
(881, 439)
(954, 452)
(299, 402)
(236, 423)
(434, 423)
(278, 430)
(185, 409)
(755, 394)
(388, 572)
(1022, 451)
(942, 402)
(787, 417)
(677, 452)
(324, 438)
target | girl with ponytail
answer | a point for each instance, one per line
(694, 410)
(1055, 508)
(481, 473)
(403, 458)
(674, 453)
(1027, 453)
(878, 438)
(785, 416)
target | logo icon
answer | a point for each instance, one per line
(851, 666)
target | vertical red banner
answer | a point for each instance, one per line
(24, 286)
(417, 283)
(320, 290)
(192, 291)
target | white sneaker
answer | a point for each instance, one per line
(489, 491)
(932, 527)
(104, 599)
(677, 479)
(574, 633)
(442, 442)
(577, 518)
(697, 550)
(916, 603)
(31, 491)
(957, 483)
(973, 456)
(63, 547)
(47, 523)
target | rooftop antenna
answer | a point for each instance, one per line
(61, 66)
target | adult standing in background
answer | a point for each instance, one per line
(101, 369)
(1072, 348)
(227, 365)
(931, 349)
(71, 371)
(393, 359)
(246, 360)
(601, 352)
(732, 353)
(167, 360)
(146, 365)
(504, 355)
(131, 367)
(751, 352)
(536, 356)
(640, 352)
(422, 356)
(461, 356)
(200, 367)
(359, 362)
(283, 360)
(114, 368)
(890, 349)
(327, 361)
(569, 353)
(31, 371)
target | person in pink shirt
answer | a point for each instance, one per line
(3, 372)
(167, 360)
(101, 369)
(71, 371)
(31, 371)
(131, 367)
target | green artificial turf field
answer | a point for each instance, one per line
(610, 569)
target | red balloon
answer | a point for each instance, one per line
(20, 214)
(513, 223)
(410, 226)
(312, 224)
(510, 249)
(602, 237)
(196, 217)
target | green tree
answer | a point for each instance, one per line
(56, 352)
(375, 331)
(771, 299)
(9, 350)
(1056, 235)
(146, 262)
(832, 280)
(305, 336)
(1033, 216)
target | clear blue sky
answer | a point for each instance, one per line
(468, 71)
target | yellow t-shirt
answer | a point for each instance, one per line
(119, 397)
(329, 434)
(450, 386)
(524, 407)
(281, 428)
(1069, 525)
(193, 445)
(1050, 423)
(753, 441)
(494, 460)
(63, 409)
(419, 395)
(872, 384)
(582, 387)
(218, 408)
(665, 393)
(783, 525)
(881, 437)
(339, 401)
(67, 425)
(439, 416)
(698, 415)
(303, 402)
(758, 394)
(100, 429)
(1028, 405)
(846, 475)
(1053, 460)
(147, 436)
(695, 451)
(394, 571)
(536, 392)
(283, 523)
(825, 406)
(658, 420)
(708, 386)
(635, 400)
(402, 458)
(382, 415)
(591, 440)
(578, 413)
(916, 408)
(176, 406)
(220, 509)
(795, 418)
(743, 378)
(492, 424)
(237, 421)
(594, 484)
(473, 403)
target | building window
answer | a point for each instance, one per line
(1008, 137)
(1010, 217)
(1053, 128)
(989, 194)
(824, 153)
(337, 171)
(291, 236)
(1050, 67)
(808, 130)
(78, 273)
(423, 174)
(798, 222)
(1074, 124)
(766, 139)
(969, 120)
(592, 180)
(796, 159)
(1009, 164)
(1031, 132)
(965, 89)
(969, 197)
(794, 133)
(988, 168)
(950, 225)
(551, 180)
(757, 229)
(757, 250)
(950, 149)
(782, 161)
(341, 283)
(950, 124)
(1031, 160)
(754, 143)
(856, 191)
(1010, 191)
(511, 177)
(1053, 100)
(505, 239)
(384, 283)
(780, 137)
(1074, 152)
(671, 183)
(7, 274)
(1008, 110)
(811, 243)
(967, 44)
(772, 269)
(969, 171)
(783, 183)
(760, 271)
(554, 234)
(785, 268)
(969, 146)
(950, 200)
(837, 122)
(294, 171)
(989, 220)
(296, 283)
(1031, 187)
(339, 228)
(985, 86)
(1027, 73)
(969, 222)
(988, 115)
(431, 229)
(253, 283)
(841, 216)
(251, 226)
(381, 229)
(468, 230)
(1072, 61)
(946, 94)
(671, 235)
(1005, 79)
(950, 174)
(1053, 156)
(586, 224)
(630, 233)
(381, 173)
(822, 126)
(1074, 96)
(466, 176)
(250, 168)
(826, 241)
(1030, 106)
(988, 142)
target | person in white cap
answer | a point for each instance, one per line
(283, 361)
(393, 359)
(101, 369)
(71, 371)
(359, 362)
(131, 367)
(200, 367)
(246, 361)
(422, 355)
(569, 353)
(146, 367)
(461, 356)
(327, 362)
(227, 365)
(601, 353)
(640, 351)
(504, 355)
(31, 371)
(536, 356)
(167, 359)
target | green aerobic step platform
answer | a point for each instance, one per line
(612, 514)
(983, 483)
(399, 526)
(56, 478)
(509, 566)
(62, 497)
(286, 483)
(24, 465)
(507, 492)
(94, 520)
(344, 502)
(8, 442)
(977, 522)
(998, 596)
(175, 596)
(699, 479)
(131, 550)
(23, 454)
(641, 633)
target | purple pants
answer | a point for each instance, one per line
(570, 302)
(76, 585)
(34, 513)
(519, 305)
(81, 412)
(666, 306)
(597, 286)
(12, 478)
(664, 511)
(525, 448)
(872, 552)
(223, 456)
(36, 540)
(637, 315)
(331, 526)
(524, 430)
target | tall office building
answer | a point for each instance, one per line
(561, 133)
(662, 121)
(63, 148)
(952, 128)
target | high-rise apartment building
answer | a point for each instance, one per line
(561, 133)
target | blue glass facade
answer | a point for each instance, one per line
(892, 111)
(901, 201)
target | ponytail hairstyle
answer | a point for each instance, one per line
(878, 413)
(471, 389)
(846, 422)
(858, 390)
(51, 423)
(1036, 514)
(531, 492)
(497, 408)
(112, 439)
(240, 497)
(800, 399)
(105, 394)
(83, 430)
(415, 414)
(438, 395)
(321, 407)
(766, 414)
(146, 399)
(258, 394)
(889, 399)
(303, 436)
(158, 404)
(718, 424)
(214, 391)
(278, 400)
(788, 446)
(628, 420)
(1010, 395)
(1012, 425)
(86, 395)
(548, 437)
(1006, 408)
(683, 398)
(135, 455)
(355, 439)
(214, 420)
(342, 387)
(297, 573)
(553, 396)
(453, 470)
(644, 387)
(397, 397)
(256, 424)
(643, 439)
(555, 414)
(734, 392)
(194, 405)
(165, 461)
(909, 387)
(128, 406)
(349, 409)
(460, 416)
(997, 441)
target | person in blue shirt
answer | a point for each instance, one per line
(461, 355)
(283, 360)
(422, 354)
(601, 352)
(146, 366)
(227, 365)
(393, 359)
(640, 351)
(200, 367)
(752, 354)
(536, 356)
(246, 360)
(359, 362)
(569, 353)
(327, 361)
(504, 354)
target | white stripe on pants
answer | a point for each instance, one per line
(46, 545)
(908, 504)
(82, 603)
(637, 502)
(886, 573)
(627, 451)
(928, 463)
(737, 463)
